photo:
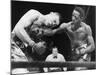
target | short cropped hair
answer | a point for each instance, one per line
(81, 11)
(58, 14)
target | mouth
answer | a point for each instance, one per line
(73, 21)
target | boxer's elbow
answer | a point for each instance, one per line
(93, 47)
(19, 30)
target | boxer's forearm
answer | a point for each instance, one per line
(91, 45)
(58, 30)
(90, 48)
(52, 32)
(22, 34)
(49, 32)
(90, 40)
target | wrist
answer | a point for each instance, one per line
(31, 43)
(83, 51)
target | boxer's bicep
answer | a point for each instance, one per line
(91, 42)
(63, 26)
(25, 21)
(30, 17)
(90, 38)
(91, 45)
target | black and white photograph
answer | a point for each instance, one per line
(52, 37)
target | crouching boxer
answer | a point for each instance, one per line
(28, 32)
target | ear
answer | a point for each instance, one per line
(51, 12)
(82, 18)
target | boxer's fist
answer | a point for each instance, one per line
(82, 51)
(40, 44)
(77, 51)
(39, 48)
(31, 43)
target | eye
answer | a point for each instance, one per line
(54, 21)
(75, 16)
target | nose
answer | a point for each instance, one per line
(54, 23)
(50, 22)
(73, 18)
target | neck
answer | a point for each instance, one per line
(78, 23)
(76, 26)
(42, 19)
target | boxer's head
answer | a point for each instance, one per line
(52, 19)
(78, 15)
(55, 51)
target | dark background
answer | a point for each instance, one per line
(19, 8)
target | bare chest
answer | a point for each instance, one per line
(79, 34)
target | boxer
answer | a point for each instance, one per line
(28, 32)
(33, 23)
(80, 35)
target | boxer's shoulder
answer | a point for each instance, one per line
(33, 11)
(85, 25)
(31, 14)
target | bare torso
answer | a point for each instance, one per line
(78, 37)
